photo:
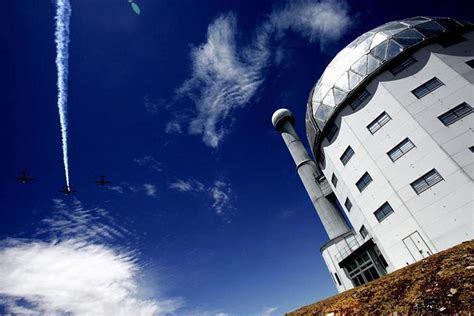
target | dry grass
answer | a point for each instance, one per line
(440, 284)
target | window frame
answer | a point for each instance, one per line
(402, 65)
(356, 104)
(454, 112)
(429, 183)
(332, 132)
(363, 231)
(399, 147)
(347, 155)
(427, 87)
(363, 180)
(334, 180)
(348, 204)
(379, 122)
(382, 210)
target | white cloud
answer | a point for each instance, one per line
(268, 311)
(226, 76)
(219, 193)
(150, 189)
(76, 270)
(173, 127)
(187, 185)
(149, 162)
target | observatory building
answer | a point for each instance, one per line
(390, 128)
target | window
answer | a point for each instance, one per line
(337, 279)
(363, 182)
(426, 181)
(332, 132)
(470, 63)
(347, 155)
(455, 114)
(348, 204)
(450, 39)
(334, 180)
(363, 232)
(402, 65)
(401, 149)
(471, 149)
(382, 212)
(380, 121)
(360, 99)
(427, 87)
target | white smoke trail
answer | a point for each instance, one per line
(63, 14)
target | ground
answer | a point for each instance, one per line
(441, 283)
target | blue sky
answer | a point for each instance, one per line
(206, 215)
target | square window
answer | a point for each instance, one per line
(363, 232)
(402, 65)
(348, 204)
(401, 149)
(382, 212)
(360, 99)
(364, 181)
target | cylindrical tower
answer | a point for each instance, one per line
(332, 220)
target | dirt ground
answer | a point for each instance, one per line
(440, 284)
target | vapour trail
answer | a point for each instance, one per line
(63, 14)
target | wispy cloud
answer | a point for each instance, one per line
(149, 162)
(173, 127)
(149, 189)
(268, 311)
(187, 185)
(226, 75)
(78, 269)
(219, 193)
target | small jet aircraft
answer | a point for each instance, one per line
(23, 177)
(67, 190)
(102, 181)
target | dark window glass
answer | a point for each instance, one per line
(471, 149)
(427, 87)
(334, 180)
(426, 181)
(347, 155)
(332, 132)
(348, 204)
(382, 212)
(337, 279)
(401, 149)
(402, 65)
(360, 99)
(455, 114)
(470, 63)
(380, 121)
(363, 231)
(364, 181)
(450, 39)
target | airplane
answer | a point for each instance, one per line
(23, 177)
(67, 190)
(102, 181)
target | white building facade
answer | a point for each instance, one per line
(390, 124)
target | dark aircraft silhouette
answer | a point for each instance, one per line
(23, 177)
(102, 181)
(67, 190)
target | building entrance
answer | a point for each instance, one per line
(417, 246)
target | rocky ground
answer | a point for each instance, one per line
(440, 284)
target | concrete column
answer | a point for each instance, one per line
(333, 221)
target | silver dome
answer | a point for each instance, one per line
(354, 65)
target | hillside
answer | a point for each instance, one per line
(442, 283)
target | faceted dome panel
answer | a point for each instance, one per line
(364, 57)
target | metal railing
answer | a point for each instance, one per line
(352, 244)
